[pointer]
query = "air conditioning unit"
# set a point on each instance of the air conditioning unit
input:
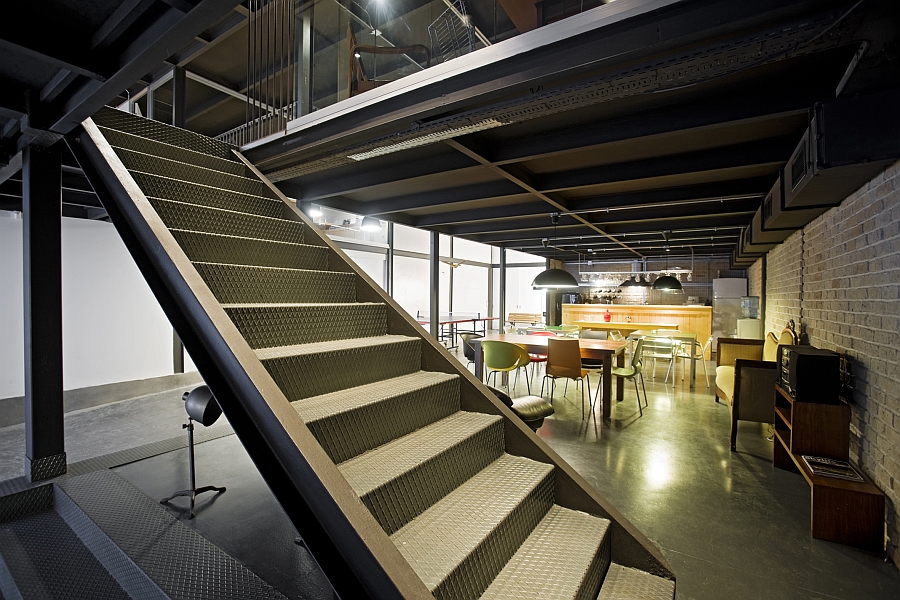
(776, 215)
(848, 142)
(739, 261)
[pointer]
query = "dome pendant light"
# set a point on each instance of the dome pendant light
(667, 283)
(554, 278)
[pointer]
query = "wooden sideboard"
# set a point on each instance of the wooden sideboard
(692, 319)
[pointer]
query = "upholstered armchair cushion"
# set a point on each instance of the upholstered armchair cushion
(725, 382)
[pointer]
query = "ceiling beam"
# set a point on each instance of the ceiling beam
(774, 152)
(450, 196)
(173, 29)
(337, 184)
(753, 186)
(523, 181)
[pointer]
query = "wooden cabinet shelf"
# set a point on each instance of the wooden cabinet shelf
(845, 512)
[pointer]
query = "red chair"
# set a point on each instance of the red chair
(539, 358)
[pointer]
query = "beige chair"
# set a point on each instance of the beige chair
(683, 352)
(656, 348)
(564, 361)
(745, 376)
(635, 372)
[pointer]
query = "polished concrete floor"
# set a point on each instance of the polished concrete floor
(730, 525)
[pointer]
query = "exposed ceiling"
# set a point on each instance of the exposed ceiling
(633, 119)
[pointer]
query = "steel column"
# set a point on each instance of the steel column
(45, 454)
(389, 262)
(502, 289)
(434, 268)
(179, 96)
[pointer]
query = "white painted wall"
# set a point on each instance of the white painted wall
(113, 328)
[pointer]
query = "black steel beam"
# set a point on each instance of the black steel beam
(368, 174)
(172, 30)
(663, 213)
(45, 454)
(449, 196)
(179, 96)
(752, 186)
(509, 211)
(738, 220)
(724, 112)
(774, 152)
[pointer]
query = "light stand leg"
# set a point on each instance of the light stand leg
(194, 491)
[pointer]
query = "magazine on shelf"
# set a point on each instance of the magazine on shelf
(828, 467)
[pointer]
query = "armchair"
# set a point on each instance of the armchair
(745, 376)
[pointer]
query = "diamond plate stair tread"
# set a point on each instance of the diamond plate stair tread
(271, 325)
(179, 560)
(402, 478)
(202, 219)
(625, 583)
(351, 421)
(160, 132)
(129, 141)
(564, 557)
(236, 250)
(242, 284)
(460, 543)
(147, 163)
(306, 370)
(47, 560)
(156, 186)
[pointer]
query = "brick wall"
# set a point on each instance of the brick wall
(850, 283)
(755, 279)
(783, 282)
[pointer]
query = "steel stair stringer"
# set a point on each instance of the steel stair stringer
(353, 550)
(630, 547)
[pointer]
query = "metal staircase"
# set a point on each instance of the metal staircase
(405, 477)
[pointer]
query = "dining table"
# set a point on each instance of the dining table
(680, 336)
(604, 350)
(626, 328)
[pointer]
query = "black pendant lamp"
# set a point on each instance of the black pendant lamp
(554, 278)
(667, 283)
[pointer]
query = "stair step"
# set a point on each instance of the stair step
(352, 421)
(565, 557)
(460, 543)
(147, 163)
(190, 217)
(242, 284)
(625, 583)
(136, 143)
(306, 370)
(41, 557)
(160, 132)
(399, 480)
(156, 186)
(273, 325)
(235, 250)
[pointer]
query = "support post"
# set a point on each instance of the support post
(389, 263)
(434, 267)
(177, 353)
(45, 454)
(305, 62)
(179, 96)
(151, 103)
(502, 289)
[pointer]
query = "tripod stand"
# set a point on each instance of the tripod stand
(194, 491)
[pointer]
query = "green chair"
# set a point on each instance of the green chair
(505, 357)
(635, 371)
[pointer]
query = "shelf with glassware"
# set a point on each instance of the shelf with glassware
(842, 511)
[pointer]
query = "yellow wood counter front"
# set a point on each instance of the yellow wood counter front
(692, 319)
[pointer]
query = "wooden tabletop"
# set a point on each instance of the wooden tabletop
(596, 347)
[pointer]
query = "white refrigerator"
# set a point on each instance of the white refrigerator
(727, 295)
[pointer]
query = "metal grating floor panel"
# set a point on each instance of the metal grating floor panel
(147, 146)
(192, 217)
(402, 478)
(459, 544)
(353, 420)
(180, 561)
(240, 284)
(624, 583)
(160, 132)
(235, 250)
(156, 186)
(47, 560)
(273, 325)
(564, 558)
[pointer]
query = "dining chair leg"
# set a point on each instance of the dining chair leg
(527, 381)
(566, 388)
(637, 394)
(645, 390)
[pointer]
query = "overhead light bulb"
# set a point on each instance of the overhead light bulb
(315, 211)
(357, 54)
(370, 224)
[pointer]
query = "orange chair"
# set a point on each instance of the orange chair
(564, 360)
(539, 358)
